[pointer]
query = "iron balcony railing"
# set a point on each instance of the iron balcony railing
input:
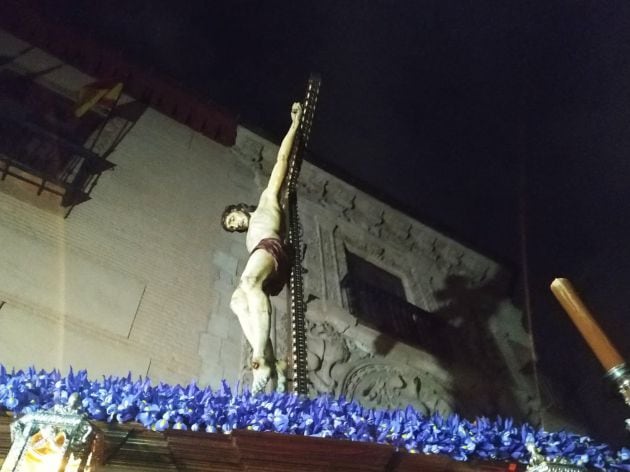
(42, 144)
(398, 318)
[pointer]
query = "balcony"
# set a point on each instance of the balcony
(42, 143)
(399, 319)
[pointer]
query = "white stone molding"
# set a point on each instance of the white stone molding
(343, 359)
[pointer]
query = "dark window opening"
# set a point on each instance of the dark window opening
(366, 272)
(377, 298)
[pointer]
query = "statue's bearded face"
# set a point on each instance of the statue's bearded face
(237, 221)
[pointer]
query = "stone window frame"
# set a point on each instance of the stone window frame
(343, 242)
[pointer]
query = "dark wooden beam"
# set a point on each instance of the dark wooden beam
(131, 447)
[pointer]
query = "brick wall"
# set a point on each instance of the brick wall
(135, 278)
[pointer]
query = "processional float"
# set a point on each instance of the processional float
(63, 440)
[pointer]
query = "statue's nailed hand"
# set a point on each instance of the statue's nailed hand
(296, 113)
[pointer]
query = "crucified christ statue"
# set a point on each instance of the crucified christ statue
(267, 268)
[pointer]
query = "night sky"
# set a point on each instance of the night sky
(449, 111)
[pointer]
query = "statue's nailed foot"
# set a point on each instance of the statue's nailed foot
(262, 374)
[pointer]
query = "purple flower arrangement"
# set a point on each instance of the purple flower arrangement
(195, 408)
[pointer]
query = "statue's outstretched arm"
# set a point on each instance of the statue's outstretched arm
(280, 168)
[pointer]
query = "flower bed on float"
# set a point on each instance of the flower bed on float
(194, 408)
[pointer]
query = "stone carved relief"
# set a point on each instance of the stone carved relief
(252, 165)
(312, 264)
(328, 352)
(397, 230)
(383, 385)
(312, 184)
(366, 215)
(446, 256)
(337, 197)
(330, 268)
(250, 150)
(357, 243)
(338, 366)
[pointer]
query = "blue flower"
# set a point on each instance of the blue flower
(160, 425)
(162, 406)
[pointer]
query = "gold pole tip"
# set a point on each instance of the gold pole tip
(558, 282)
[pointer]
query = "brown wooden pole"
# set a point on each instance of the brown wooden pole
(586, 324)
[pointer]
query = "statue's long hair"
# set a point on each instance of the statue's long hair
(243, 208)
